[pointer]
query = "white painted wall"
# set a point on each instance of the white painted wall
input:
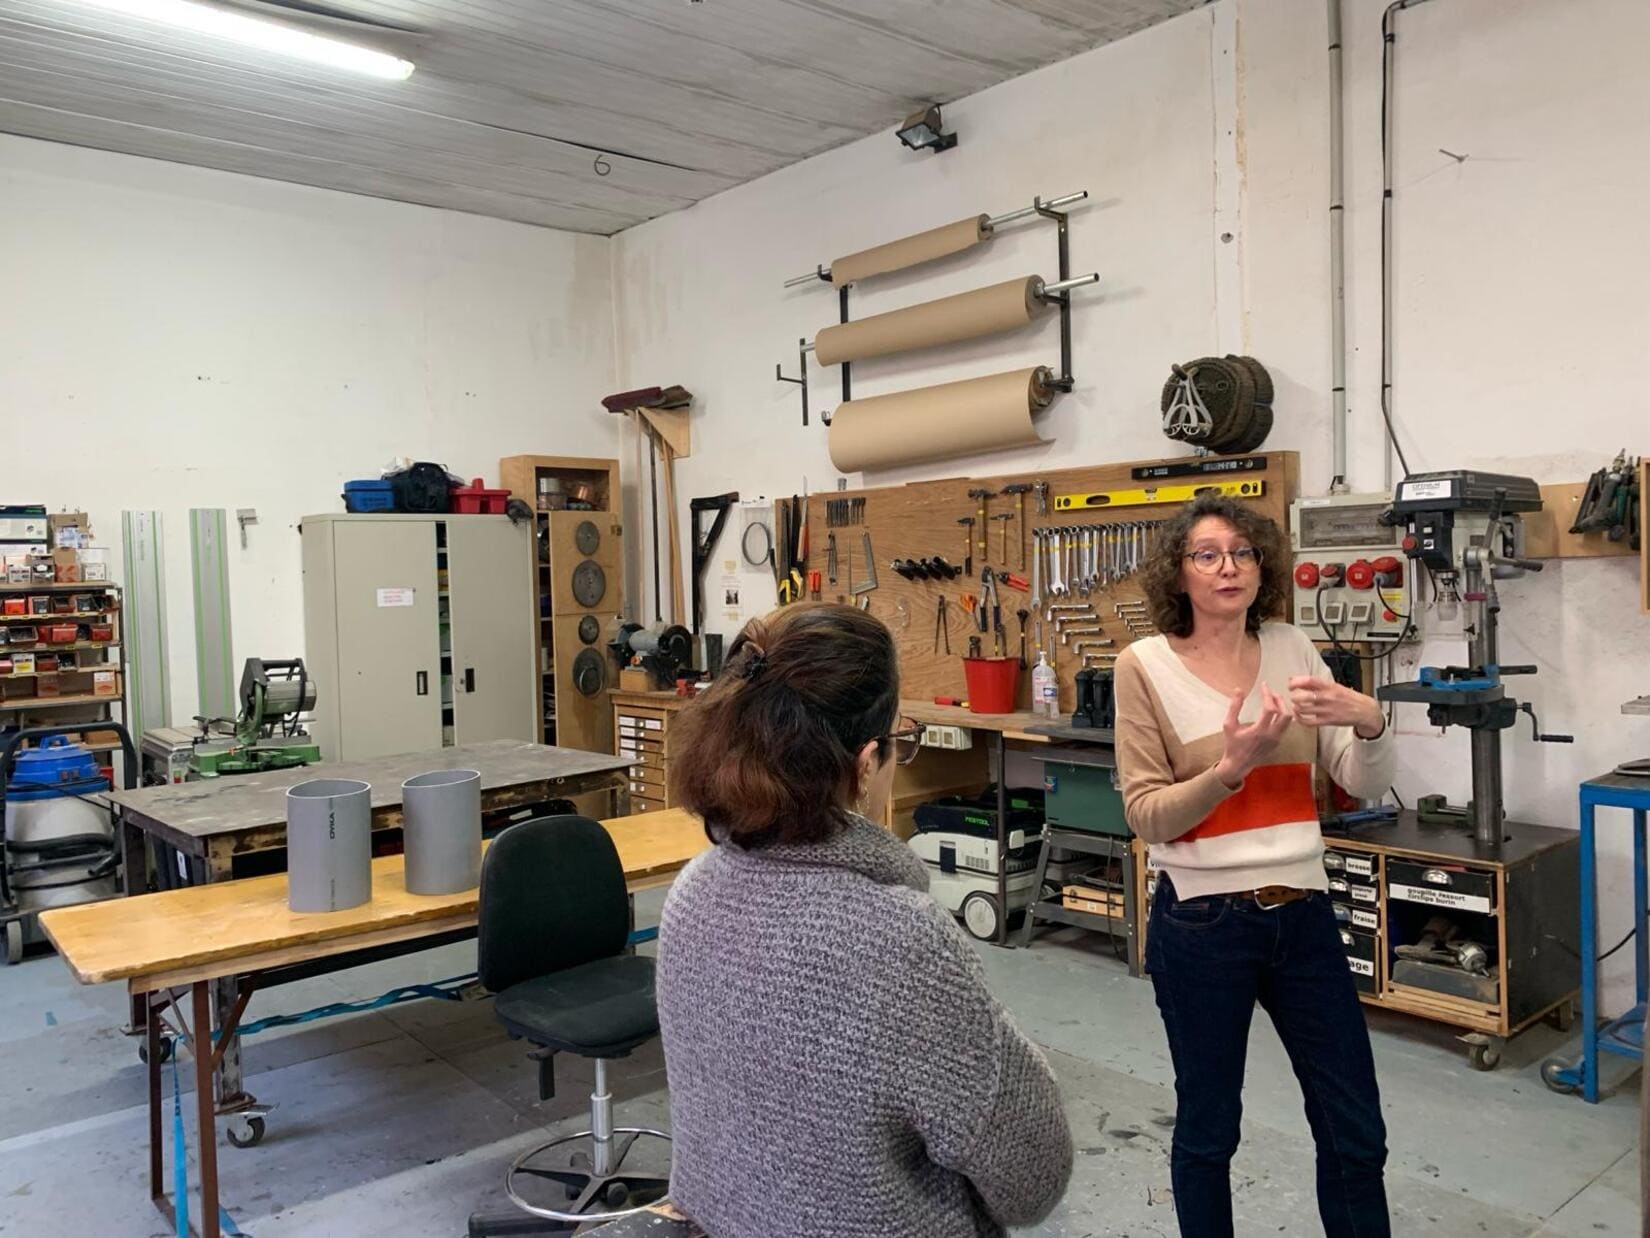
(173, 337)
(1519, 273)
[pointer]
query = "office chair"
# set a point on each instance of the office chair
(551, 946)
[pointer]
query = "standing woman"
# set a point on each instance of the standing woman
(837, 1067)
(1223, 722)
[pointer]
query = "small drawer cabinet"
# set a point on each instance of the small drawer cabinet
(641, 731)
(1489, 937)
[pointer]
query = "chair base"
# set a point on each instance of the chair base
(586, 1188)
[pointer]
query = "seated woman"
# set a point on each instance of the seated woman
(837, 1066)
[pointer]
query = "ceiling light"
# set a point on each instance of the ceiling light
(921, 131)
(270, 36)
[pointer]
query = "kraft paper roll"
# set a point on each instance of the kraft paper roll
(923, 247)
(966, 316)
(936, 423)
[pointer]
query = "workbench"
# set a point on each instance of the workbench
(173, 941)
(1622, 1035)
(218, 829)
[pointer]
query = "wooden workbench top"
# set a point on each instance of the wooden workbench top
(214, 806)
(206, 931)
(1011, 726)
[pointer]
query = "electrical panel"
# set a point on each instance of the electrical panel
(1351, 579)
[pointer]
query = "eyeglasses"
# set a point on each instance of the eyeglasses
(907, 741)
(1244, 559)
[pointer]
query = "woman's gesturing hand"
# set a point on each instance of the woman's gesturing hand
(1322, 702)
(1249, 744)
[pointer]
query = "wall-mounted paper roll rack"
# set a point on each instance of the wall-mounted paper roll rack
(967, 315)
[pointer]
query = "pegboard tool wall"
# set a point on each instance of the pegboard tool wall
(919, 521)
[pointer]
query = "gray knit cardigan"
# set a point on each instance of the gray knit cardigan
(837, 1068)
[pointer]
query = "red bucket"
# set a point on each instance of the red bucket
(993, 684)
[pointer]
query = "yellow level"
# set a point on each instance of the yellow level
(1247, 489)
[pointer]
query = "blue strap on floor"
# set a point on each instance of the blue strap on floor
(450, 990)
(226, 1224)
(180, 1157)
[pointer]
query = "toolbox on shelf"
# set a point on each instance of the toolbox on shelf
(370, 495)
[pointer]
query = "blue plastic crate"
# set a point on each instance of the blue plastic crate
(375, 495)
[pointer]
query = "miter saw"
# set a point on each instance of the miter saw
(1465, 528)
(267, 734)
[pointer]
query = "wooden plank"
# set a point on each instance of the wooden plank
(211, 930)
(1547, 535)
(919, 521)
(208, 808)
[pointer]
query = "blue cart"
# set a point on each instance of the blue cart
(1624, 1034)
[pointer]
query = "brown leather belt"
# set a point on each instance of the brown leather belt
(1269, 897)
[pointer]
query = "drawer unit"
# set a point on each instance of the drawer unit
(1354, 891)
(641, 734)
(1449, 887)
(1362, 950)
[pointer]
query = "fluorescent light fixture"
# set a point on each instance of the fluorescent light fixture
(269, 36)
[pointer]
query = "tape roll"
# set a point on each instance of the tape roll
(937, 423)
(966, 316)
(912, 250)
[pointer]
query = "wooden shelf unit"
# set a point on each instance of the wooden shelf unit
(569, 717)
(22, 706)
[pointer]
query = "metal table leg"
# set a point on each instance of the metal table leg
(1641, 908)
(1002, 839)
(1589, 952)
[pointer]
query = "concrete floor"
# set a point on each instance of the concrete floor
(402, 1121)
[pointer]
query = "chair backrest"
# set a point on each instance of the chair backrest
(552, 897)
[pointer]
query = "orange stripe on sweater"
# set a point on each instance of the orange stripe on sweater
(1271, 795)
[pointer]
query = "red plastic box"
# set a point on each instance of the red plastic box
(477, 500)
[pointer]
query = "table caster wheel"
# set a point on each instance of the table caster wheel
(979, 916)
(617, 1195)
(1554, 1074)
(14, 941)
(245, 1132)
(167, 1048)
(1484, 1057)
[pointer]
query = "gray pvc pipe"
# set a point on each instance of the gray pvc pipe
(441, 824)
(328, 844)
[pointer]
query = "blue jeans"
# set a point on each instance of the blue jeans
(1211, 960)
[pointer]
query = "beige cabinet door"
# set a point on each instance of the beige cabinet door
(492, 578)
(389, 658)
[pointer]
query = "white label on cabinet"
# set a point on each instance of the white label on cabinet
(1362, 865)
(1365, 919)
(1363, 967)
(397, 597)
(1441, 898)
(1365, 894)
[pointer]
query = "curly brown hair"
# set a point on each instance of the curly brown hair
(769, 753)
(1170, 609)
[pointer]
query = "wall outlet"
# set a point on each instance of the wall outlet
(947, 737)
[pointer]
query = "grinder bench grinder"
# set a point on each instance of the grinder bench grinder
(1466, 529)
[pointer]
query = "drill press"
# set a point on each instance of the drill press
(1466, 529)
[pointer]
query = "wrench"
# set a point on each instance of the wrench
(1057, 579)
(1036, 602)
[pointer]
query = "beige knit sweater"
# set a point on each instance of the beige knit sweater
(1209, 838)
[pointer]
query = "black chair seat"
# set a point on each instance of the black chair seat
(600, 1009)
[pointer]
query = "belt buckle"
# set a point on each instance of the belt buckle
(1265, 906)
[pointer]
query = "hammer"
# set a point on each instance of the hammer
(1018, 490)
(967, 523)
(982, 496)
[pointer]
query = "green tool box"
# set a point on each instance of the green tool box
(1082, 796)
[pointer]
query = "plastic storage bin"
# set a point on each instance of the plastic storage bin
(477, 500)
(375, 495)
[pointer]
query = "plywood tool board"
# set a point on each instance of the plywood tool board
(920, 521)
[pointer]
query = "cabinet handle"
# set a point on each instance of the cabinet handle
(469, 679)
(423, 681)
